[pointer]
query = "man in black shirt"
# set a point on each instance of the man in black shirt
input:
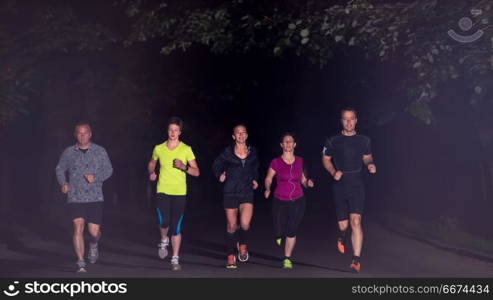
(343, 157)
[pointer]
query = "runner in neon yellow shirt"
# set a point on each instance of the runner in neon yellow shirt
(172, 181)
(176, 159)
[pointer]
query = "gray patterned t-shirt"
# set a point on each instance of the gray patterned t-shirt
(77, 163)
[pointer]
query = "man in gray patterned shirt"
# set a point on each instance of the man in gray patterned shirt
(87, 165)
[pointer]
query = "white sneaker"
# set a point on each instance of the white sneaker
(175, 264)
(163, 249)
(81, 266)
(93, 253)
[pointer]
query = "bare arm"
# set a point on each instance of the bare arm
(326, 161)
(151, 169)
(305, 181)
(193, 168)
(268, 181)
(151, 166)
(330, 168)
(368, 161)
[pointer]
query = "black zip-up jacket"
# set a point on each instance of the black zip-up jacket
(239, 173)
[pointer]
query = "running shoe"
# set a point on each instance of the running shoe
(231, 264)
(340, 246)
(279, 241)
(243, 253)
(287, 264)
(175, 264)
(162, 250)
(81, 266)
(355, 266)
(93, 253)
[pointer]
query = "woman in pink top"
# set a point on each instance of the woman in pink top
(288, 205)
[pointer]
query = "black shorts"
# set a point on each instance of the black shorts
(234, 201)
(170, 210)
(287, 216)
(91, 212)
(349, 196)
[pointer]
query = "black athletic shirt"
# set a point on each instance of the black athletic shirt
(346, 151)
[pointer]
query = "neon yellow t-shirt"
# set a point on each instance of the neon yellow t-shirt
(172, 181)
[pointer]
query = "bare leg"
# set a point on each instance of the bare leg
(231, 219)
(357, 234)
(176, 243)
(94, 230)
(288, 248)
(78, 237)
(343, 225)
(246, 213)
(164, 232)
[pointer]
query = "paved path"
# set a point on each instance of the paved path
(129, 250)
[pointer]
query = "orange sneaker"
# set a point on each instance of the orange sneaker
(340, 246)
(231, 262)
(243, 253)
(355, 266)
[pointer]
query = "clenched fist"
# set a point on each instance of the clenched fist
(153, 176)
(254, 184)
(337, 175)
(222, 178)
(310, 183)
(179, 164)
(65, 188)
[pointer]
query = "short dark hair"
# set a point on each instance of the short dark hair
(238, 125)
(349, 109)
(176, 121)
(287, 133)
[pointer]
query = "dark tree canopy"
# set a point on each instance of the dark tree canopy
(413, 33)
(53, 28)
(409, 33)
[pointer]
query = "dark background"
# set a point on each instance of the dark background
(127, 94)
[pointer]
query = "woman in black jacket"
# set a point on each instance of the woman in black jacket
(237, 168)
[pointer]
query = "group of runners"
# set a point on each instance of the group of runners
(84, 167)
